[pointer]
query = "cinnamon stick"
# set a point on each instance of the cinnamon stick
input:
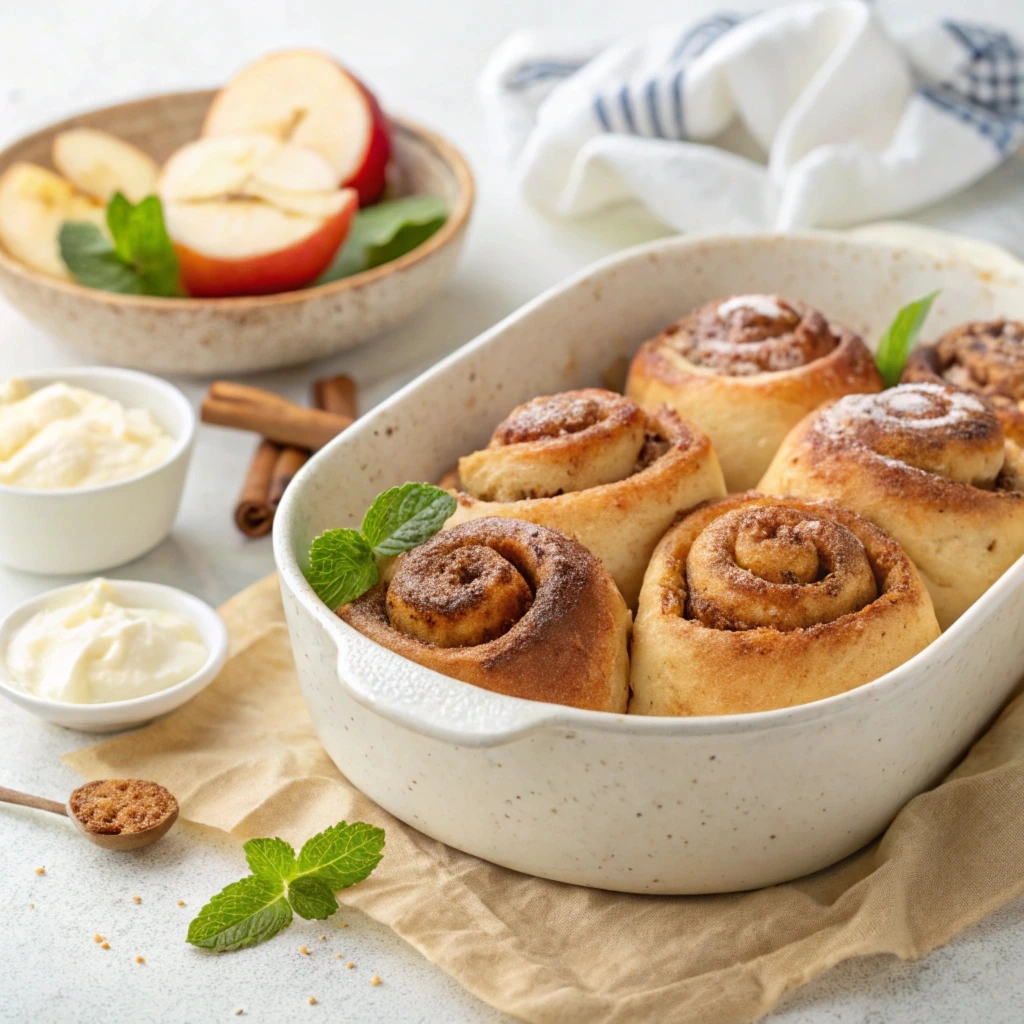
(289, 462)
(273, 465)
(337, 395)
(245, 407)
(253, 514)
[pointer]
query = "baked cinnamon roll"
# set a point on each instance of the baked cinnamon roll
(755, 603)
(745, 370)
(984, 356)
(929, 464)
(595, 466)
(508, 606)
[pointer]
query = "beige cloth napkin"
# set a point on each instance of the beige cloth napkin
(243, 757)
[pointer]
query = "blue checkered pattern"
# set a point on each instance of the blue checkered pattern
(987, 90)
(654, 108)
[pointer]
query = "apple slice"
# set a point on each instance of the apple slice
(306, 98)
(100, 164)
(34, 202)
(251, 216)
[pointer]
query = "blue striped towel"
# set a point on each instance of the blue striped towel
(810, 115)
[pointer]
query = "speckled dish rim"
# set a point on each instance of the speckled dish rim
(500, 719)
(206, 620)
(458, 215)
(182, 442)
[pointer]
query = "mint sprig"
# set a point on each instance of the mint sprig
(343, 563)
(259, 906)
(138, 259)
(899, 338)
(385, 231)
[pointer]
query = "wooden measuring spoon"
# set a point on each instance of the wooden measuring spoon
(108, 840)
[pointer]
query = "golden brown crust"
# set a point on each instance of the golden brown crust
(652, 466)
(758, 602)
(563, 641)
(929, 464)
(986, 357)
(747, 378)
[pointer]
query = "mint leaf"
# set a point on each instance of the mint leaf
(139, 261)
(341, 567)
(92, 260)
(270, 858)
(385, 231)
(899, 339)
(312, 898)
(405, 516)
(241, 914)
(342, 854)
(151, 249)
(119, 213)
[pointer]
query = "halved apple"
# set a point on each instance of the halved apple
(251, 216)
(306, 98)
(34, 202)
(100, 164)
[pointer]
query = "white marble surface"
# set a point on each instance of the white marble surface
(59, 57)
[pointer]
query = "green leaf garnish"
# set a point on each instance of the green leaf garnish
(343, 854)
(341, 567)
(312, 898)
(261, 904)
(270, 858)
(343, 563)
(405, 516)
(898, 340)
(139, 258)
(385, 231)
(242, 914)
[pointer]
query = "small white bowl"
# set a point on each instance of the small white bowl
(90, 529)
(120, 714)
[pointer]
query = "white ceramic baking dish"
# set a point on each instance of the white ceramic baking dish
(638, 804)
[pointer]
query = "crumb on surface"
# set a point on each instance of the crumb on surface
(343, 925)
(31, 906)
(312, 1000)
(40, 871)
(337, 956)
(104, 945)
(239, 1012)
(140, 959)
(350, 965)
(136, 899)
(375, 980)
(97, 937)
(303, 950)
(181, 903)
(322, 938)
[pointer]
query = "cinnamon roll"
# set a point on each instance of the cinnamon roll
(508, 606)
(595, 466)
(983, 356)
(929, 464)
(745, 370)
(755, 603)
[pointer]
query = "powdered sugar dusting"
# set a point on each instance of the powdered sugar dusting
(907, 407)
(762, 305)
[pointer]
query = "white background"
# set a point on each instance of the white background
(423, 59)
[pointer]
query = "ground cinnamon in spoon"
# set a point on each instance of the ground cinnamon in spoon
(116, 807)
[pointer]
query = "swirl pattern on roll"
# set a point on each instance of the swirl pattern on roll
(756, 603)
(930, 464)
(595, 466)
(986, 357)
(745, 369)
(509, 606)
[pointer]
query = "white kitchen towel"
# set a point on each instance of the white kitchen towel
(810, 115)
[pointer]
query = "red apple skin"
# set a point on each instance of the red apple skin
(212, 277)
(369, 178)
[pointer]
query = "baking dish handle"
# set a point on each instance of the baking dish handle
(431, 704)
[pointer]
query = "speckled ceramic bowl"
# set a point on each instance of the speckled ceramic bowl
(660, 805)
(239, 335)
